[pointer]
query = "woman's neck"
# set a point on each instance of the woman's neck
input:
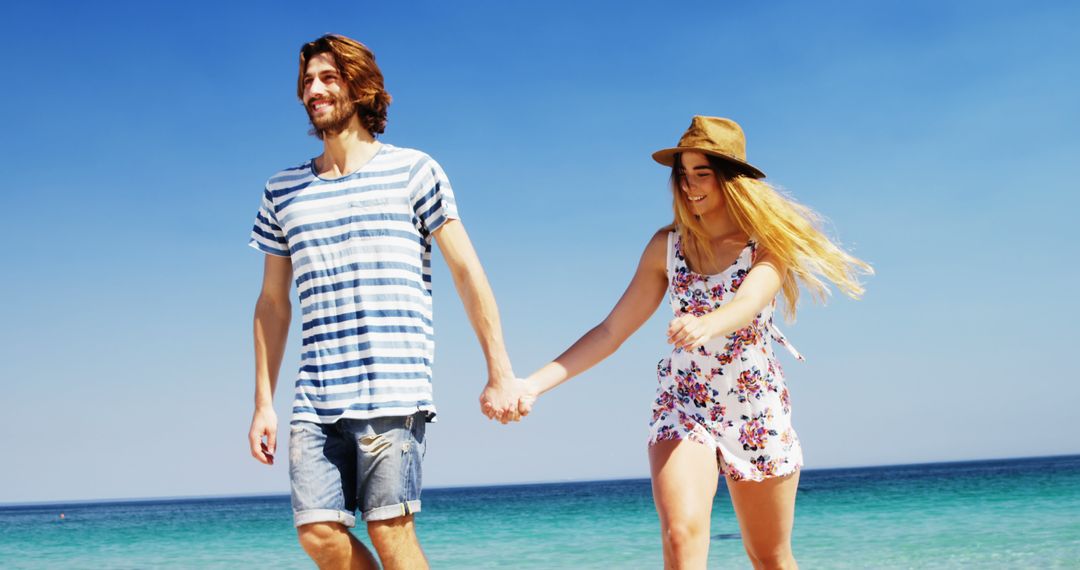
(719, 227)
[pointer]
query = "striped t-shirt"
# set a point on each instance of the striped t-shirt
(361, 255)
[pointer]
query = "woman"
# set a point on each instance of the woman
(721, 403)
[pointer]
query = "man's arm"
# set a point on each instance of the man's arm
(272, 314)
(499, 400)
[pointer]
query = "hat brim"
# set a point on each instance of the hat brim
(667, 158)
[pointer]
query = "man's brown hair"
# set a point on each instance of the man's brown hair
(356, 64)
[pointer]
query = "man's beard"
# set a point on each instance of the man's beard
(338, 119)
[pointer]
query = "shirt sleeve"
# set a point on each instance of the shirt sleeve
(267, 235)
(432, 197)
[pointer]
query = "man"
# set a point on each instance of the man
(354, 226)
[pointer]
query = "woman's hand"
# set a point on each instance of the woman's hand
(528, 399)
(757, 291)
(689, 332)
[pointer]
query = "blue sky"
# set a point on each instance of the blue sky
(938, 139)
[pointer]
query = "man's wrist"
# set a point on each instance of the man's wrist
(499, 380)
(500, 372)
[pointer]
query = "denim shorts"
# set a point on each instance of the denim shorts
(373, 465)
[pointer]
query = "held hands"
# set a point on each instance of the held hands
(263, 423)
(507, 401)
(689, 332)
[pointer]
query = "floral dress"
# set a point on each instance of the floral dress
(728, 394)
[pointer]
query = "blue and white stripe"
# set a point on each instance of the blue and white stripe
(360, 247)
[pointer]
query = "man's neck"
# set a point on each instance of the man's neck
(346, 151)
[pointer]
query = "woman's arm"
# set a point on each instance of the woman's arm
(637, 304)
(758, 289)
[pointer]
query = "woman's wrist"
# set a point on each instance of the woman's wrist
(532, 384)
(714, 323)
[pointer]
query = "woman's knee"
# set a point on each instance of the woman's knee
(684, 535)
(771, 556)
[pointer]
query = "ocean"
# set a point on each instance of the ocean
(1016, 513)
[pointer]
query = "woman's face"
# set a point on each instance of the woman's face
(699, 183)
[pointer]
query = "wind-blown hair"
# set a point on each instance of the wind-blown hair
(356, 64)
(788, 230)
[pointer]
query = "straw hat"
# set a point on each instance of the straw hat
(716, 136)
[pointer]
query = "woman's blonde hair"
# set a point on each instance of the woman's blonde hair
(788, 230)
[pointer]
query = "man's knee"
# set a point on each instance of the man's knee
(395, 541)
(392, 532)
(324, 537)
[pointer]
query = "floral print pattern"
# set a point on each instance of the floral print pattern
(730, 393)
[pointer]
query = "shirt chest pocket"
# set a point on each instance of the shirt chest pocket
(372, 218)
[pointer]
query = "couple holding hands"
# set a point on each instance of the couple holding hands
(353, 229)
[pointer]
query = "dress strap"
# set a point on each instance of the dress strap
(672, 262)
(782, 340)
(670, 255)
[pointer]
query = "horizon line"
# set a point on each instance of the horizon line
(77, 502)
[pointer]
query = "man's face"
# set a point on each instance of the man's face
(326, 96)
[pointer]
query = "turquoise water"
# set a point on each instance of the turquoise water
(1022, 513)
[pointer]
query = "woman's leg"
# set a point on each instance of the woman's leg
(766, 512)
(684, 480)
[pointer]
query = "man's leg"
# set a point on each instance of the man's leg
(395, 541)
(390, 452)
(331, 545)
(322, 470)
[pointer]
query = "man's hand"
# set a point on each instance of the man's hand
(501, 400)
(263, 423)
